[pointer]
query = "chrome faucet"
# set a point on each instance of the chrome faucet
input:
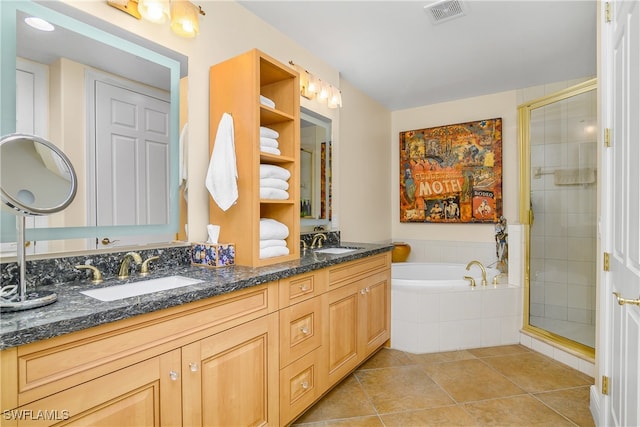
(484, 270)
(317, 240)
(124, 266)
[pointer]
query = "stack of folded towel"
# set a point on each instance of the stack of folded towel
(269, 141)
(274, 182)
(266, 101)
(272, 238)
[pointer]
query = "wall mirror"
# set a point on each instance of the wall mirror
(315, 171)
(110, 100)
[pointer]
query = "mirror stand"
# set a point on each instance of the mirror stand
(16, 298)
(49, 186)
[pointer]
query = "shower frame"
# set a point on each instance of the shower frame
(527, 214)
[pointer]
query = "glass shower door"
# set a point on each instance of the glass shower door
(559, 202)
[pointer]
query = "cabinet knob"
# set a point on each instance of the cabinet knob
(305, 384)
(363, 291)
(174, 375)
(304, 287)
(304, 330)
(193, 366)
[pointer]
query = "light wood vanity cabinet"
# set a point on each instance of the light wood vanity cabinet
(235, 88)
(359, 319)
(259, 356)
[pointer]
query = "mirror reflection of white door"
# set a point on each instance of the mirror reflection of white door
(131, 160)
(31, 118)
(621, 216)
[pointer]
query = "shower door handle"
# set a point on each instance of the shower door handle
(623, 301)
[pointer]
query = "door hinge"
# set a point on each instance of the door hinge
(605, 261)
(607, 137)
(605, 384)
(607, 12)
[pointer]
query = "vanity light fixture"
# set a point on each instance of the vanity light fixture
(156, 11)
(183, 14)
(312, 87)
(184, 18)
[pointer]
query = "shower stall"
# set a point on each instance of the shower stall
(558, 159)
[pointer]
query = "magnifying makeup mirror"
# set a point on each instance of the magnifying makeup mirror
(36, 178)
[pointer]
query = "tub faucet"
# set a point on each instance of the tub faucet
(484, 270)
(124, 266)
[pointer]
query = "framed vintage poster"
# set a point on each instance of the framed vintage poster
(452, 173)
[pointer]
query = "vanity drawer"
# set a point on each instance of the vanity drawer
(301, 383)
(48, 366)
(347, 272)
(301, 329)
(302, 287)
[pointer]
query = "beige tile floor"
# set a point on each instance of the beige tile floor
(496, 386)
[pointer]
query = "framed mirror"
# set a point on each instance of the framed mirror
(315, 171)
(63, 86)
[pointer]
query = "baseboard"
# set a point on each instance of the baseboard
(595, 404)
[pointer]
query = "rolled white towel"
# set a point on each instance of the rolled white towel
(268, 142)
(266, 101)
(273, 251)
(272, 242)
(272, 229)
(268, 132)
(273, 193)
(273, 171)
(270, 150)
(280, 184)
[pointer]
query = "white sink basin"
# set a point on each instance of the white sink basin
(335, 251)
(133, 289)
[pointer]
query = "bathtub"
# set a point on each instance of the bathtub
(433, 308)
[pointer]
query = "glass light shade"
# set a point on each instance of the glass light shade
(314, 84)
(335, 98)
(156, 11)
(324, 91)
(184, 18)
(39, 23)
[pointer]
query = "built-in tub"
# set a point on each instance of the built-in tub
(433, 308)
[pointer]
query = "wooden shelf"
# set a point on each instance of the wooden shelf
(236, 90)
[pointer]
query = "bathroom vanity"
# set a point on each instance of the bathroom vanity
(247, 346)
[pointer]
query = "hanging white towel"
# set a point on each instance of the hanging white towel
(222, 176)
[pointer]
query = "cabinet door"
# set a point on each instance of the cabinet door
(145, 394)
(376, 317)
(343, 332)
(231, 378)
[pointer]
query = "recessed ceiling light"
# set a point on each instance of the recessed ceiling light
(39, 24)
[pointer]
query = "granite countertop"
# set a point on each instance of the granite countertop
(74, 311)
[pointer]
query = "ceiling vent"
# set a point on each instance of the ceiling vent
(445, 10)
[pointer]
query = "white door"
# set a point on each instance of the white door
(620, 324)
(132, 160)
